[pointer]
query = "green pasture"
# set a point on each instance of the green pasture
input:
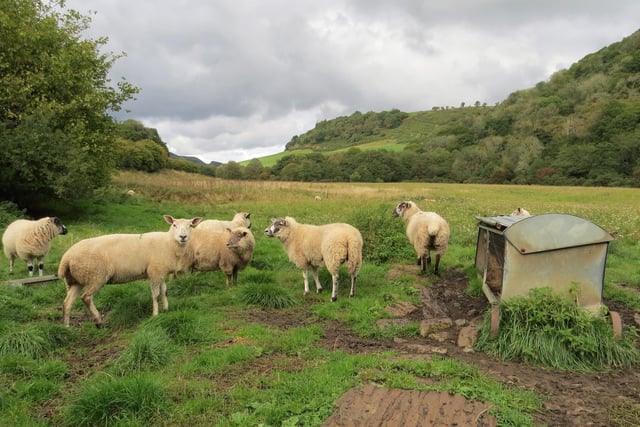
(382, 144)
(214, 359)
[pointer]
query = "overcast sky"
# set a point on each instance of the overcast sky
(234, 80)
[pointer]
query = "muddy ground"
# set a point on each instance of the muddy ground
(570, 398)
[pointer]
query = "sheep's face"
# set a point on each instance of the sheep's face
(181, 228)
(399, 210)
(236, 237)
(276, 227)
(59, 225)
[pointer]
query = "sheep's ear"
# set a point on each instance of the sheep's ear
(168, 218)
(227, 229)
(248, 215)
(195, 221)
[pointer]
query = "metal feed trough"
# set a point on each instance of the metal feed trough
(563, 252)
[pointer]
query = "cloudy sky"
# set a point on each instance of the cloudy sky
(234, 80)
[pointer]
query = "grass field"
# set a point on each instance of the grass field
(205, 362)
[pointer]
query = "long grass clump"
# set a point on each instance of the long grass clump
(150, 348)
(110, 401)
(547, 329)
(267, 296)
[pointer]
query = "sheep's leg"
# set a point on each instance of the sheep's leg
(305, 276)
(228, 276)
(335, 282)
(87, 299)
(316, 279)
(30, 266)
(40, 266)
(11, 261)
(423, 263)
(354, 278)
(163, 292)
(155, 293)
(235, 275)
(72, 295)
(437, 264)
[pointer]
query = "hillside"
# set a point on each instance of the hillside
(581, 127)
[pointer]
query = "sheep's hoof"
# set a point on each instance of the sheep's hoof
(334, 299)
(99, 325)
(319, 290)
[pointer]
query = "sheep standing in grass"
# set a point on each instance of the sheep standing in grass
(426, 231)
(121, 258)
(229, 251)
(314, 246)
(520, 212)
(31, 240)
(240, 219)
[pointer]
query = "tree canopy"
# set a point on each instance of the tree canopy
(55, 103)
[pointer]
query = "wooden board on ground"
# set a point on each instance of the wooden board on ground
(373, 406)
(33, 280)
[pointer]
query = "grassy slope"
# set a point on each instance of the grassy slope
(416, 128)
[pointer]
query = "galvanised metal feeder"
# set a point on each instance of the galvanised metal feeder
(563, 252)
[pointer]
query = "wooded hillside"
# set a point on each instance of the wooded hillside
(581, 127)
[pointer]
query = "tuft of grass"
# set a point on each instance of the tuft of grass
(184, 327)
(13, 308)
(109, 401)
(549, 330)
(218, 360)
(151, 348)
(267, 296)
(192, 284)
(26, 341)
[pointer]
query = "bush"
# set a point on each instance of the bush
(384, 236)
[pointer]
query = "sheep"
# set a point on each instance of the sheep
(229, 251)
(318, 198)
(131, 193)
(426, 231)
(121, 258)
(240, 219)
(31, 240)
(520, 212)
(314, 246)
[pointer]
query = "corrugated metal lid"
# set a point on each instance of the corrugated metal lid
(539, 233)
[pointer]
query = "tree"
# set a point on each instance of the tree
(55, 100)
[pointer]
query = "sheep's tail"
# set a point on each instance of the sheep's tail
(354, 255)
(63, 270)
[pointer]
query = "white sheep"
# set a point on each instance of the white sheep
(31, 240)
(121, 258)
(240, 219)
(520, 212)
(229, 251)
(426, 231)
(314, 246)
